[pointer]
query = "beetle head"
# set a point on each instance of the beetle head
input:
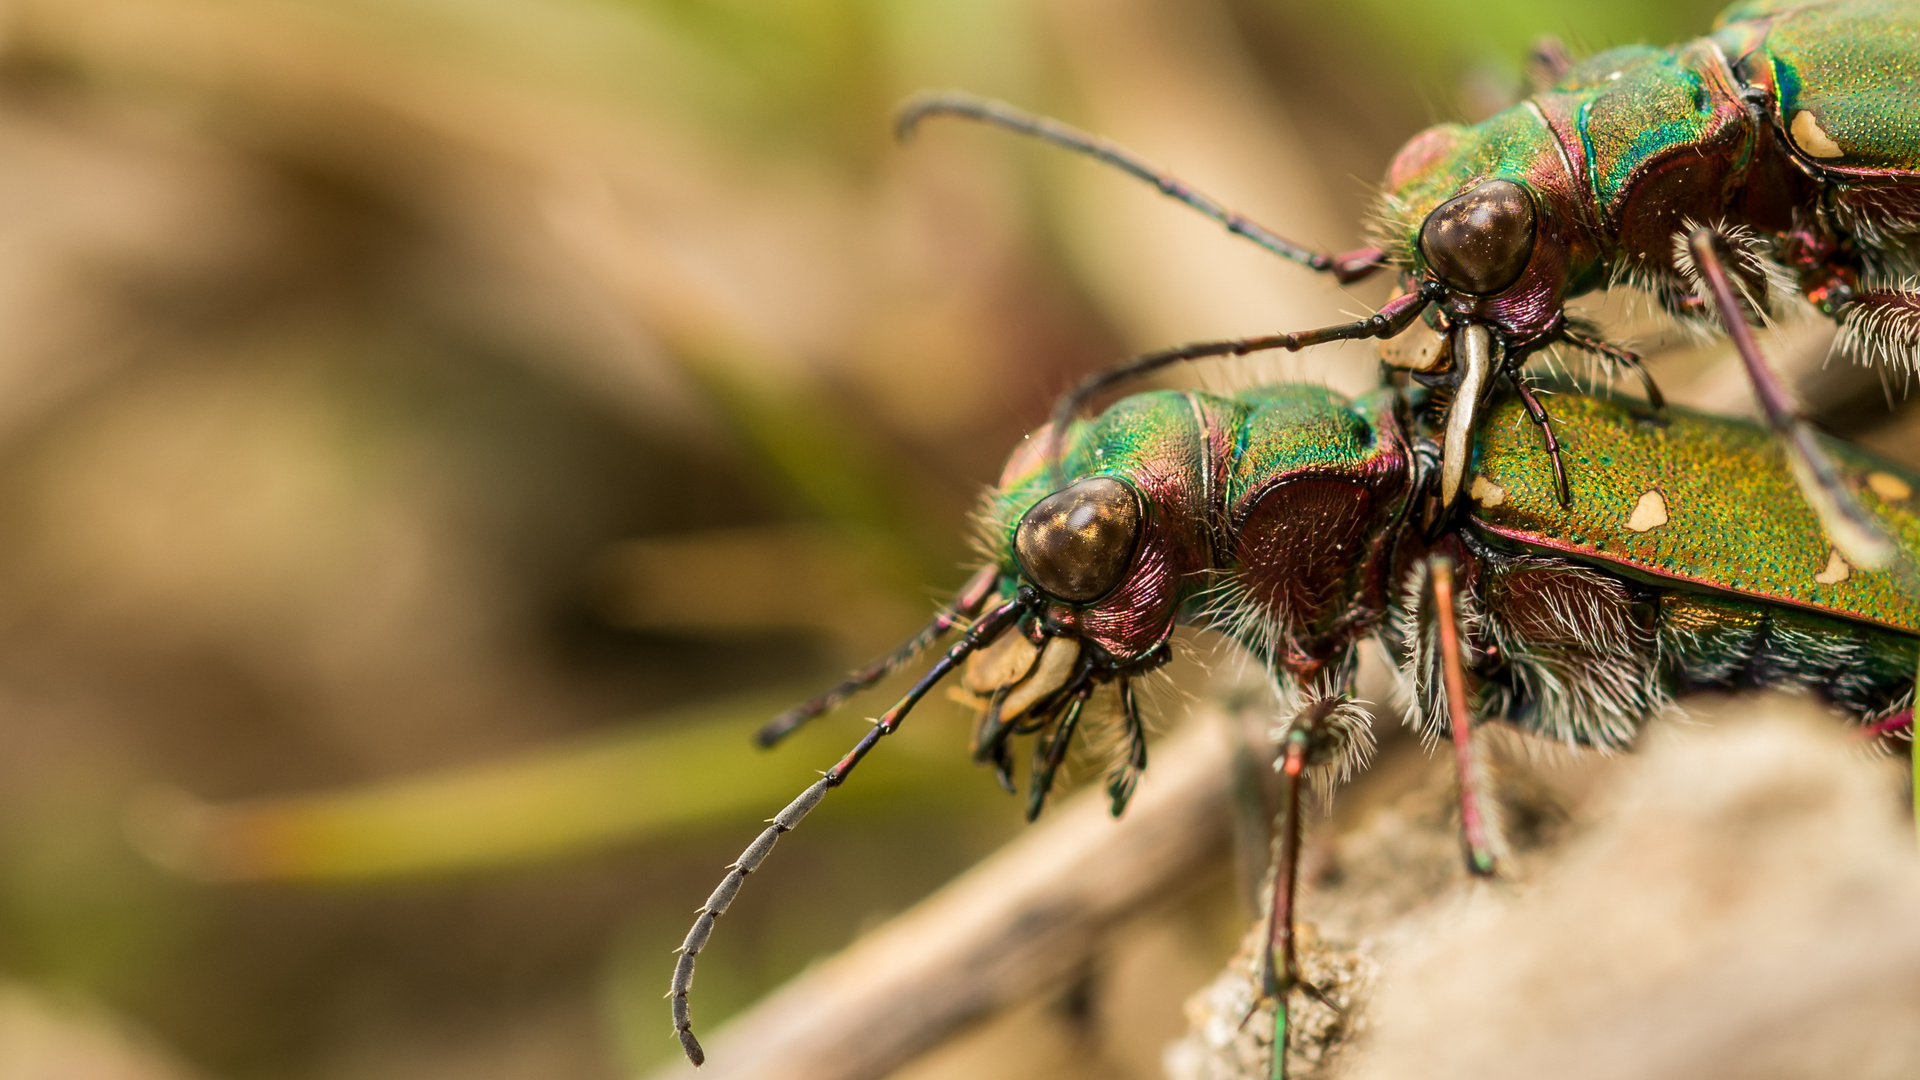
(1491, 213)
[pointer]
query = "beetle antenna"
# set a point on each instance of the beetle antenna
(972, 597)
(1392, 318)
(1348, 267)
(990, 626)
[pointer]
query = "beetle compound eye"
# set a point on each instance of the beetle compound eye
(1077, 543)
(1480, 241)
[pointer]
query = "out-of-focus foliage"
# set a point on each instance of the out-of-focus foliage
(413, 411)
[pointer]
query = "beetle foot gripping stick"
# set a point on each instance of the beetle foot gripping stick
(1789, 123)
(1324, 738)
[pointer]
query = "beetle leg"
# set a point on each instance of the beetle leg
(1856, 534)
(1126, 775)
(1348, 267)
(1537, 413)
(973, 596)
(1393, 317)
(990, 626)
(1049, 752)
(1476, 831)
(1899, 721)
(1279, 964)
(1626, 358)
(1319, 737)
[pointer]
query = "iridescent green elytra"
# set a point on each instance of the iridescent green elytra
(1688, 501)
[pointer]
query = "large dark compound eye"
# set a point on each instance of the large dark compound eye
(1077, 543)
(1479, 242)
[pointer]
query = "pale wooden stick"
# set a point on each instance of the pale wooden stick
(1024, 919)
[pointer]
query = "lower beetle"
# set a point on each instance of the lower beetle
(1289, 518)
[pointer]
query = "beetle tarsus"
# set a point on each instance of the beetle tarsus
(1626, 358)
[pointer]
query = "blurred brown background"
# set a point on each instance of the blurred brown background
(531, 396)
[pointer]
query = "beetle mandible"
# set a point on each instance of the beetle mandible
(1287, 517)
(1779, 154)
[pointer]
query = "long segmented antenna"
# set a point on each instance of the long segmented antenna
(1392, 318)
(973, 596)
(1853, 531)
(1348, 267)
(990, 626)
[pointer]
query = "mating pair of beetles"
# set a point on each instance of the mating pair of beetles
(1570, 572)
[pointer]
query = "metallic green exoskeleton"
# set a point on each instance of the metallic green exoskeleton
(1777, 157)
(1647, 554)
(1287, 517)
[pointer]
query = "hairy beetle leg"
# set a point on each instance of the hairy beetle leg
(1899, 721)
(1853, 531)
(1476, 831)
(1279, 963)
(1626, 358)
(1880, 325)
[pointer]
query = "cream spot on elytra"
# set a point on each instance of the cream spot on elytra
(1486, 492)
(1649, 513)
(1808, 136)
(1889, 486)
(1836, 572)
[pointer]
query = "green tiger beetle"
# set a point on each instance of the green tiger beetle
(1287, 517)
(1777, 156)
